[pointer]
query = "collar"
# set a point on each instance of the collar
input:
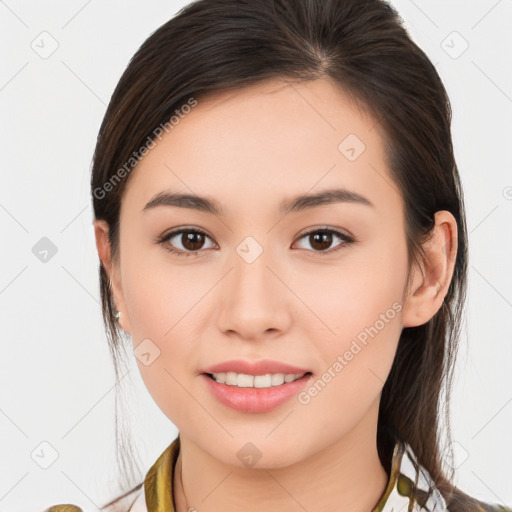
(409, 485)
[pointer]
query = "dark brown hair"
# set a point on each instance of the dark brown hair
(362, 47)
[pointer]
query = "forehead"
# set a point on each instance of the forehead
(274, 139)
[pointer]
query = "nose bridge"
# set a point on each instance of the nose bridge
(253, 300)
(251, 280)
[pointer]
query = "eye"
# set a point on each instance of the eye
(321, 239)
(191, 241)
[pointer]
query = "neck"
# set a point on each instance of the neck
(347, 475)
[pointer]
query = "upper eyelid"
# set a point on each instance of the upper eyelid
(324, 228)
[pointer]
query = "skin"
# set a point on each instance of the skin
(251, 149)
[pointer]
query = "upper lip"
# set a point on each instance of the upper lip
(255, 367)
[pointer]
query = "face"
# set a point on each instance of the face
(319, 286)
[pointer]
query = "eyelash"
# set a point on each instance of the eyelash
(347, 240)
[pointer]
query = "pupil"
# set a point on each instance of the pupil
(324, 240)
(192, 241)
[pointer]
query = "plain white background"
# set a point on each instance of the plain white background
(57, 381)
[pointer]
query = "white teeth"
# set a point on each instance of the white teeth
(243, 380)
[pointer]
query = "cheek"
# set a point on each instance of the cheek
(356, 364)
(160, 295)
(363, 290)
(361, 305)
(160, 304)
(162, 318)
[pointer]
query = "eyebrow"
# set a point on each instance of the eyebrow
(296, 204)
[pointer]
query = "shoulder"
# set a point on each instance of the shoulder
(123, 503)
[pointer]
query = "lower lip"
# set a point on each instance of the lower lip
(255, 399)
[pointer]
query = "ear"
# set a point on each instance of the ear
(431, 281)
(101, 233)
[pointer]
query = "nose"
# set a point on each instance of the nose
(254, 300)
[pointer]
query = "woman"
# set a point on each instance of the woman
(281, 229)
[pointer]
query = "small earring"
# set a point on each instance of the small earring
(117, 315)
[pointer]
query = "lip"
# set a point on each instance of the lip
(255, 400)
(254, 368)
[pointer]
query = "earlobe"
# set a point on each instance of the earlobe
(431, 282)
(101, 233)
